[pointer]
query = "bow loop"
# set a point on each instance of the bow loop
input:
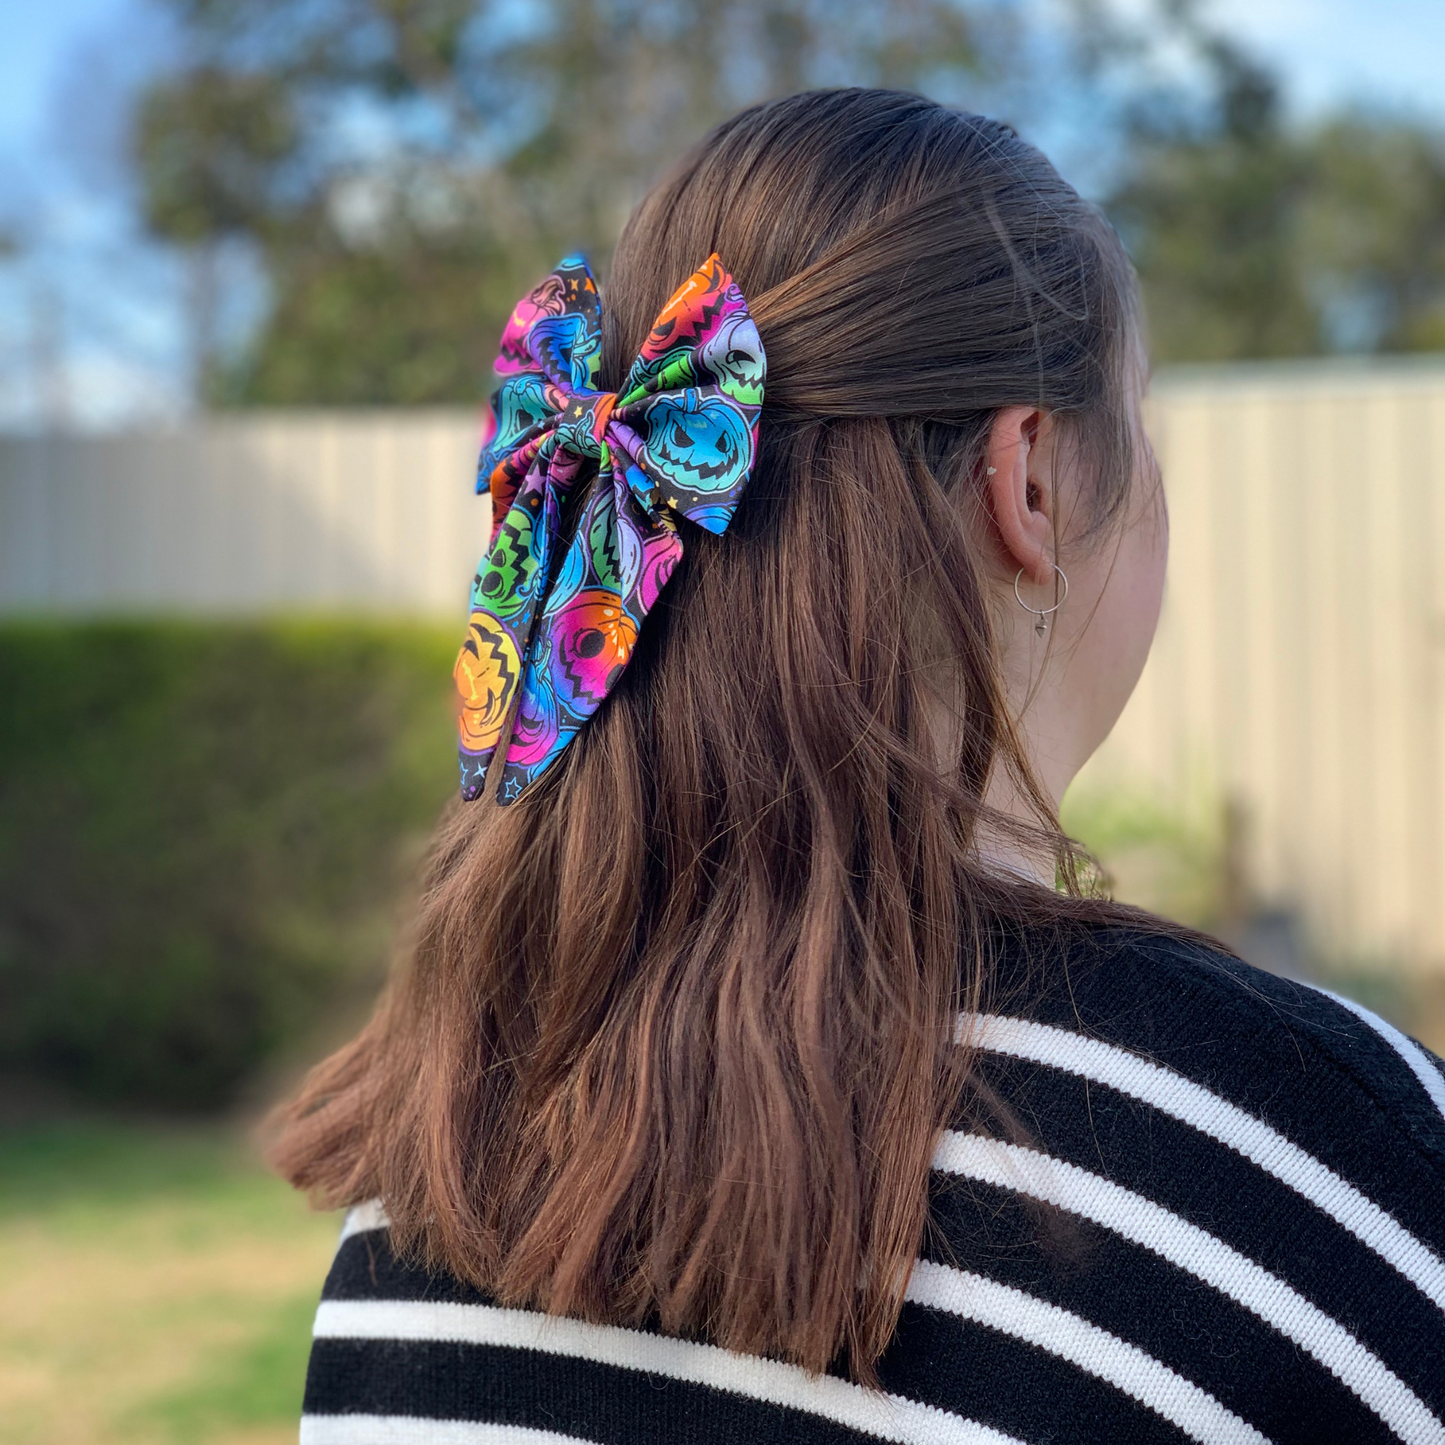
(557, 329)
(546, 643)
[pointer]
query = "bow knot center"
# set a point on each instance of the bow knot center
(583, 420)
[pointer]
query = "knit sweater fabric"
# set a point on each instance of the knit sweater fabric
(1211, 1208)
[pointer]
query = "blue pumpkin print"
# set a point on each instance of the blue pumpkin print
(701, 444)
(572, 344)
(519, 404)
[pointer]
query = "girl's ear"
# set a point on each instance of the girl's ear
(1019, 487)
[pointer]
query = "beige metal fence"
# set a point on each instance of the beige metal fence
(1300, 666)
(1300, 663)
(322, 511)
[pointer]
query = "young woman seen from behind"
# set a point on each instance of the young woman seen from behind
(762, 1070)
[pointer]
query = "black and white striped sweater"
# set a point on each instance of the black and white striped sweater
(1226, 1224)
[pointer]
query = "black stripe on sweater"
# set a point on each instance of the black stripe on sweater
(1280, 1051)
(1018, 1388)
(1194, 1176)
(980, 1373)
(366, 1268)
(502, 1385)
(966, 1368)
(1201, 1334)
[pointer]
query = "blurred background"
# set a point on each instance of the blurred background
(254, 257)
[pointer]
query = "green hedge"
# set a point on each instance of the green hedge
(204, 832)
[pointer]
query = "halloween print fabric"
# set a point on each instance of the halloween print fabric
(548, 637)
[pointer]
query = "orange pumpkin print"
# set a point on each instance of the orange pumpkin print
(486, 676)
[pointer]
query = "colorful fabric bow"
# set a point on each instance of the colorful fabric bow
(546, 644)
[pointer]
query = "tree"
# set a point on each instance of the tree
(1209, 204)
(404, 168)
(1256, 239)
(1375, 234)
(212, 148)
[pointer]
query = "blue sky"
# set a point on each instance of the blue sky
(1389, 53)
(64, 65)
(63, 61)
(37, 37)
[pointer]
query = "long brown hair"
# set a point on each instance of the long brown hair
(674, 1041)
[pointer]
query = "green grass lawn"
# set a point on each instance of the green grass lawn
(156, 1285)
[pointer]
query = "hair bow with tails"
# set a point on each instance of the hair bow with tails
(546, 643)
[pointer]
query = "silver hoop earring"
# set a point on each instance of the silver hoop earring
(1042, 613)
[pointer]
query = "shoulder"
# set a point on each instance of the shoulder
(1223, 1177)
(1176, 1015)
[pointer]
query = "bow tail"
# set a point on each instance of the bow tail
(491, 666)
(506, 480)
(617, 563)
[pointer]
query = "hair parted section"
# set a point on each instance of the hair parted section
(675, 1037)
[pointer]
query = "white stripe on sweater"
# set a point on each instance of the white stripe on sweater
(1429, 1076)
(1015, 1313)
(889, 1417)
(418, 1430)
(1196, 1106)
(362, 1219)
(1129, 1369)
(1185, 1245)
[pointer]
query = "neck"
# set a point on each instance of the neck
(1003, 850)
(1000, 850)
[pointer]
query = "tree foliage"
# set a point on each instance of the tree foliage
(406, 167)
(402, 169)
(1379, 234)
(210, 144)
(1255, 238)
